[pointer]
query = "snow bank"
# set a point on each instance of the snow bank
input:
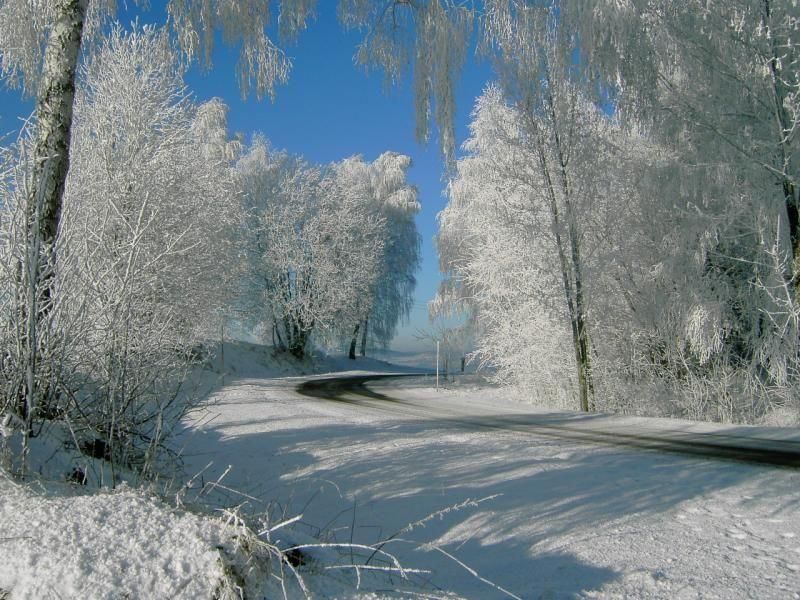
(120, 544)
(246, 360)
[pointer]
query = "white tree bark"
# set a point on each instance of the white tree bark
(51, 163)
(54, 113)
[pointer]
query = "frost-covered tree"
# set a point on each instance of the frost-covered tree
(719, 81)
(511, 236)
(314, 248)
(148, 238)
(354, 176)
(388, 197)
(399, 205)
(150, 157)
(534, 58)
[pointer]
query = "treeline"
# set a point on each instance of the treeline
(623, 226)
(331, 252)
(168, 228)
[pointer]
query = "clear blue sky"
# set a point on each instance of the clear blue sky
(329, 110)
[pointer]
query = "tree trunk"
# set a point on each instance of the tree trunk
(586, 383)
(50, 165)
(276, 336)
(584, 367)
(54, 122)
(580, 329)
(297, 346)
(54, 113)
(299, 334)
(352, 354)
(793, 215)
(785, 126)
(364, 337)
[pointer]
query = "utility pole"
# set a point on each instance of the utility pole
(437, 365)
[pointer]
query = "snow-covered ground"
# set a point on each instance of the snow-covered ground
(63, 540)
(468, 511)
(121, 544)
(539, 517)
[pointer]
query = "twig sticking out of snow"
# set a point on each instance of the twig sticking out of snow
(474, 573)
(250, 540)
(269, 530)
(469, 502)
(359, 568)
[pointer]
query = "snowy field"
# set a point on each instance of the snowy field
(465, 511)
(537, 517)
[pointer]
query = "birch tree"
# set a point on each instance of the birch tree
(512, 260)
(534, 60)
(314, 248)
(399, 205)
(720, 80)
(387, 197)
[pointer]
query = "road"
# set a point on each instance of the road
(546, 505)
(589, 429)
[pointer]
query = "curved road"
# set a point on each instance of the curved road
(354, 390)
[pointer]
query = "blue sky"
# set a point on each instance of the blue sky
(330, 109)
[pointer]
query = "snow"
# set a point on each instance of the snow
(537, 516)
(470, 512)
(120, 544)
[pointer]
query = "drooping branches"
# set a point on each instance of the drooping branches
(316, 246)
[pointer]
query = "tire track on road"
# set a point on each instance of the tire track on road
(354, 390)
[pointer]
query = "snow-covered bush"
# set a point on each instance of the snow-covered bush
(37, 330)
(146, 262)
(149, 226)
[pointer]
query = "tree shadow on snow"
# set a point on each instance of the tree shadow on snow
(369, 483)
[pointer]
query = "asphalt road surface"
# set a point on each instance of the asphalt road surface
(354, 390)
